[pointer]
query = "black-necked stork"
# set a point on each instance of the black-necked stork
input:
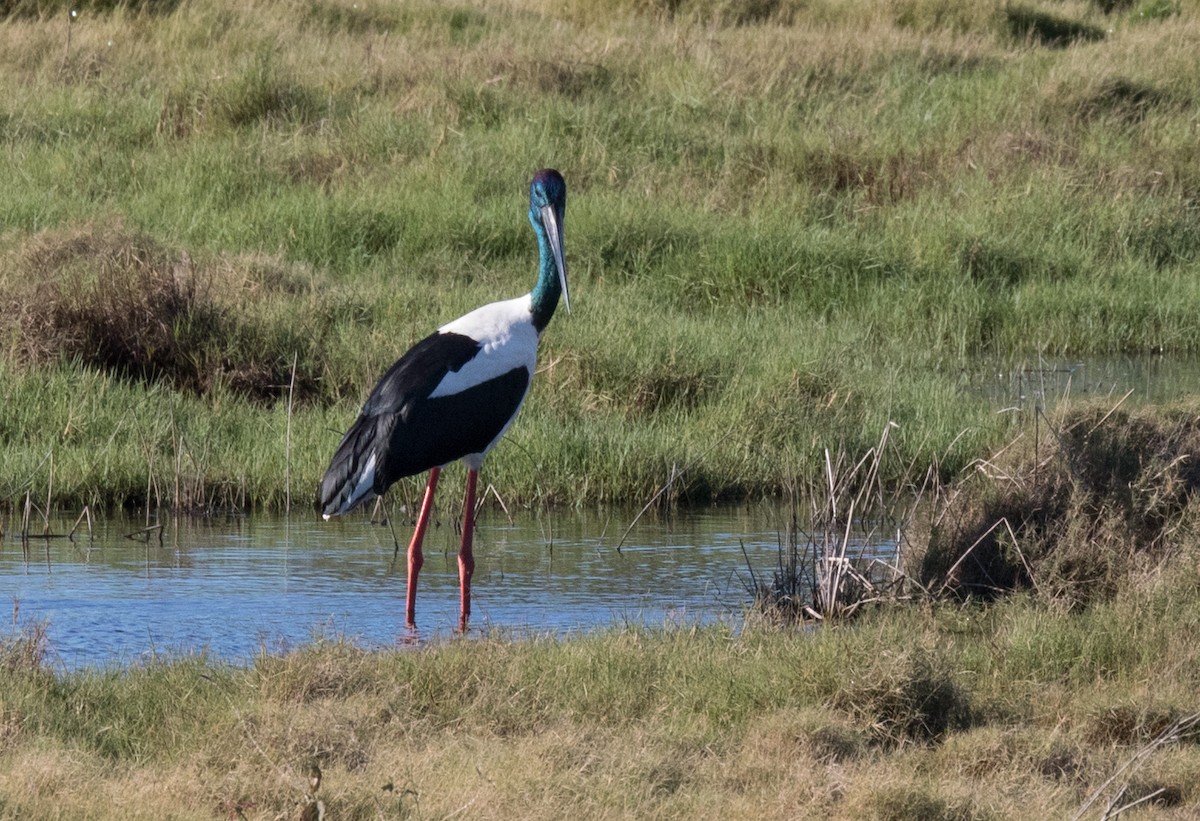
(453, 395)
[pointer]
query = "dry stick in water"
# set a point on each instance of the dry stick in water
(85, 513)
(287, 444)
(670, 483)
(25, 517)
(143, 535)
(642, 512)
(49, 494)
(387, 517)
(491, 489)
(175, 443)
(750, 567)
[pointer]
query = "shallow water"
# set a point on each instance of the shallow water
(231, 587)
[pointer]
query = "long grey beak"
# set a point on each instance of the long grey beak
(554, 232)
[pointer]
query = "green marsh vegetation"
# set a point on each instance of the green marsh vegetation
(790, 227)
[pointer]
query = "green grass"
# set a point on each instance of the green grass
(788, 225)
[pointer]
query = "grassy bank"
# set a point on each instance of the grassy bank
(1012, 711)
(788, 224)
(1042, 665)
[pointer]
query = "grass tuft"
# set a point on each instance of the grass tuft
(903, 803)
(322, 670)
(1070, 511)
(116, 300)
(906, 697)
(25, 651)
(1047, 29)
(1124, 99)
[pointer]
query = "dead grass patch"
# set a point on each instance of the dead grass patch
(116, 300)
(905, 697)
(1070, 510)
(1129, 724)
(792, 734)
(878, 177)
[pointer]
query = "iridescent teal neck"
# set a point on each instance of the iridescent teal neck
(548, 289)
(547, 208)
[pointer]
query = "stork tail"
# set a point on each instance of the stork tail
(350, 478)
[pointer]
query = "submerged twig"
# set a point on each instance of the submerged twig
(49, 495)
(85, 513)
(25, 516)
(749, 566)
(287, 441)
(145, 533)
(491, 489)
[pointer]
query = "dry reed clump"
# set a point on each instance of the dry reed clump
(118, 301)
(824, 575)
(24, 651)
(1072, 514)
(905, 697)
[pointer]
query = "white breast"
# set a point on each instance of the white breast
(508, 340)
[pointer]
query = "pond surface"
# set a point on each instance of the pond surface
(234, 586)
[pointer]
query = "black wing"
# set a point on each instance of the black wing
(405, 386)
(438, 431)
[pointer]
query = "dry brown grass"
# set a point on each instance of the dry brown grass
(818, 726)
(113, 299)
(26, 650)
(1071, 509)
(906, 697)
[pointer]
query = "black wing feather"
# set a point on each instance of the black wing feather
(405, 386)
(407, 431)
(422, 439)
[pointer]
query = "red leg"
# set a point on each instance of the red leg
(466, 555)
(415, 557)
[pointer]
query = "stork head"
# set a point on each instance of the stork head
(547, 209)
